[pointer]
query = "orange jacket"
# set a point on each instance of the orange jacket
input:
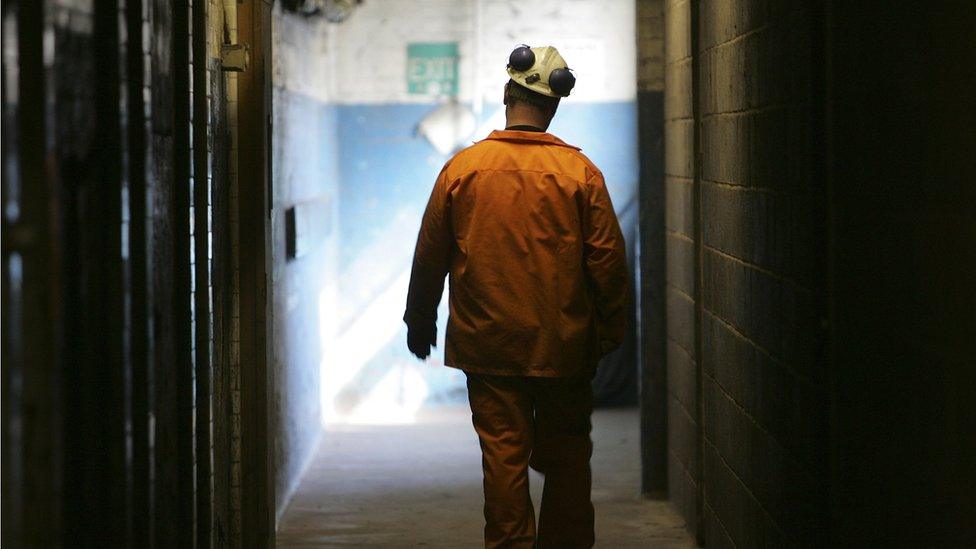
(524, 225)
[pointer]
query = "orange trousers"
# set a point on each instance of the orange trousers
(543, 423)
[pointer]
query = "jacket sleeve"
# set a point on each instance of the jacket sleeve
(431, 258)
(605, 263)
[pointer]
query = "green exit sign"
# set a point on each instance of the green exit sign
(432, 68)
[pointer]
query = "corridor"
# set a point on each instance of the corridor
(382, 486)
(210, 213)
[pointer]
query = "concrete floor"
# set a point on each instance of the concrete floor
(420, 485)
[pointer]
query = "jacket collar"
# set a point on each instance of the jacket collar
(516, 136)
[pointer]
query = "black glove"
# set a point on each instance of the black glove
(420, 338)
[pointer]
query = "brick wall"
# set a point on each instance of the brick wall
(819, 317)
(746, 378)
(765, 414)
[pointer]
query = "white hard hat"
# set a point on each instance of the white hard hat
(541, 70)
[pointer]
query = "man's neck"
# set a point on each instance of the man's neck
(524, 117)
(524, 128)
(525, 122)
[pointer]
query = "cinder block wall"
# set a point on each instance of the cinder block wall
(747, 403)
(819, 323)
(761, 372)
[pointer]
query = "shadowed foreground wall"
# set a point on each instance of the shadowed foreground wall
(817, 300)
(902, 262)
(117, 276)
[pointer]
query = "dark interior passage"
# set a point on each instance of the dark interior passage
(203, 231)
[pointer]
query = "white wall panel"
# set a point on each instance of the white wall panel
(595, 36)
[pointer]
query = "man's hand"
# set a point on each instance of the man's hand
(420, 338)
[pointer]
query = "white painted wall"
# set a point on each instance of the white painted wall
(596, 37)
(304, 55)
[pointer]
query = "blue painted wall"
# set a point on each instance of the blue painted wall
(386, 167)
(305, 171)
(386, 172)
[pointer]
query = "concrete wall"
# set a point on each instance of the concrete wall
(814, 379)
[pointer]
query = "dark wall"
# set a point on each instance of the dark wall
(680, 293)
(819, 237)
(651, 287)
(902, 242)
(762, 369)
(109, 328)
(746, 377)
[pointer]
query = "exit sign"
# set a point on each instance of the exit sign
(432, 68)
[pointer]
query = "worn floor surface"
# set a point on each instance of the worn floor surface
(420, 486)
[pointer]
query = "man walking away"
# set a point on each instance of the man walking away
(524, 225)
